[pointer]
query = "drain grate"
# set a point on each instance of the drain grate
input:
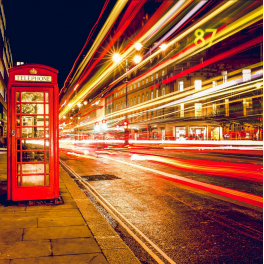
(100, 177)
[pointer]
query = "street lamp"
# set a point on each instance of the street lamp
(116, 58)
(163, 46)
(137, 59)
(138, 46)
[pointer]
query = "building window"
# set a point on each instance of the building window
(116, 107)
(135, 86)
(121, 105)
(127, 103)
(135, 100)
(151, 78)
(163, 72)
(147, 80)
(163, 91)
(246, 75)
(139, 99)
(224, 74)
(122, 91)
(198, 109)
(214, 112)
(151, 95)
(157, 75)
(198, 85)
(131, 102)
(180, 86)
(143, 98)
(227, 107)
(157, 93)
(147, 96)
(142, 82)
(247, 104)
(182, 110)
(214, 83)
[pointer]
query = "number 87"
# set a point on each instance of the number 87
(199, 33)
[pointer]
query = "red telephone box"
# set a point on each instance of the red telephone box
(33, 161)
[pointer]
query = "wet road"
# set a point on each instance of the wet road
(187, 222)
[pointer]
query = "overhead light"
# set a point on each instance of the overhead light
(138, 46)
(85, 102)
(163, 46)
(116, 57)
(137, 59)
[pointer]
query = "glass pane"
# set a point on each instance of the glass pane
(47, 132)
(47, 167)
(33, 132)
(47, 179)
(18, 156)
(46, 108)
(18, 168)
(18, 120)
(31, 168)
(47, 120)
(18, 96)
(32, 97)
(47, 144)
(18, 108)
(46, 97)
(33, 120)
(18, 181)
(32, 109)
(32, 156)
(18, 145)
(33, 180)
(32, 144)
(47, 155)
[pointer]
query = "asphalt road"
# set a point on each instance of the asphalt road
(190, 225)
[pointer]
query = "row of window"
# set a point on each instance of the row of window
(137, 100)
(138, 84)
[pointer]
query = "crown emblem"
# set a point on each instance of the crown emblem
(33, 71)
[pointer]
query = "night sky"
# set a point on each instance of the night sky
(52, 32)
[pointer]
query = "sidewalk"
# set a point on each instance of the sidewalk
(73, 232)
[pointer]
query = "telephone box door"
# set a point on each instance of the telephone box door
(32, 141)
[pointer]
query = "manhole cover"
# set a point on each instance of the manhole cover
(101, 177)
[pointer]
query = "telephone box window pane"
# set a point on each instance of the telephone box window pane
(47, 144)
(47, 167)
(18, 145)
(46, 108)
(32, 108)
(18, 181)
(18, 120)
(32, 144)
(46, 97)
(18, 108)
(47, 120)
(32, 97)
(32, 168)
(18, 156)
(33, 180)
(18, 168)
(47, 179)
(33, 132)
(47, 132)
(33, 120)
(18, 96)
(32, 156)
(47, 155)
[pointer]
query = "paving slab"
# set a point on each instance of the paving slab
(74, 246)
(61, 221)
(18, 223)
(96, 258)
(9, 235)
(56, 232)
(25, 249)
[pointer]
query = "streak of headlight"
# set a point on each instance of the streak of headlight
(195, 9)
(181, 36)
(162, 21)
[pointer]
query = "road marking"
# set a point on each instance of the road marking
(115, 214)
(251, 198)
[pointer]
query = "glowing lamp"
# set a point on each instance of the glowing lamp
(137, 59)
(163, 46)
(85, 102)
(138, 46)
(116, 58)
